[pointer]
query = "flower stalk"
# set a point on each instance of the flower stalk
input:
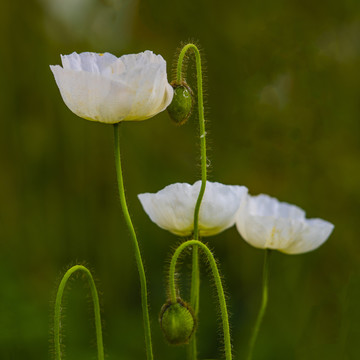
(195, 278)
(57, 315)
(218, 284)
(139, 262)
(196, 51)
(263, 305)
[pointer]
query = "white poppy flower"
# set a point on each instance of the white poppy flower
(102, 87)
(172, 208)
(267, 223)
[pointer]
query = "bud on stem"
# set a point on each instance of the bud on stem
(177, 322)
(183, 101)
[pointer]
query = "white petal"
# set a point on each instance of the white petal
(252, 230)
(172, 208)
(154, 93)
(105, 60)
(102, 87)
(264, 222)
(264, 205)
(87, 61)
(93, 97)
(219, 207)
(314, 234)
(71, 62)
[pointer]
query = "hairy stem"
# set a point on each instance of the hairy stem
(140, 266)
(218, 283)
(201, 124)
(194, 299)
(195, 283)
(263, 304)
(57, 316)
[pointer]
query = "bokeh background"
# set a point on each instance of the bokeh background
(283, 111)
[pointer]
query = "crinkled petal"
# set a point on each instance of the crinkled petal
(154, 94)
(87, 61)
(264, 205)
(266, 223)
(102, 87)
(93, 97)
(314, 233)
(172, 208)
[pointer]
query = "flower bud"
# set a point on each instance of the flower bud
(177, 322)
(182, 103)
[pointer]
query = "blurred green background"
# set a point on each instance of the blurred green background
(283, 111)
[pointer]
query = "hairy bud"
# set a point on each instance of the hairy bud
(177, 322)
(181, 106)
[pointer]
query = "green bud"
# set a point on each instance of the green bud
(182, 103)
(177, 322)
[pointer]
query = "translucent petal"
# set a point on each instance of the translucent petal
(93, 97)
(264, 222)
(172, 208)
(313, 235)
(102, 87)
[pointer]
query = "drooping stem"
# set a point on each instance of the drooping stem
(195, 282)
(263, 303)
(57, 316)
(218, 283)
(140, 266)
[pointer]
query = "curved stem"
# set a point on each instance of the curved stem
(219, 287)
(140, 266)
(57, 316)
(201, 124)
(263, 303)
(195, 282)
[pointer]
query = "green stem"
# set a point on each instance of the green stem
(219, 287)
(195, 283)
(57, 316)
(263, 303)
(201, 123)
(195, 280)
(194, 298)
(140, 266)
